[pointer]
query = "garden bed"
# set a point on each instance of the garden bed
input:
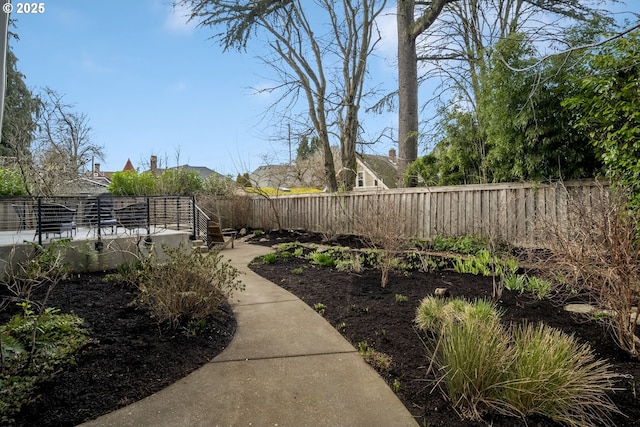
(364, 312)
(130, 356)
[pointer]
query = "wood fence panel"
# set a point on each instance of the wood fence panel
(514, 212)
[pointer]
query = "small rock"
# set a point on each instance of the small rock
(442, 292)
(580, 308)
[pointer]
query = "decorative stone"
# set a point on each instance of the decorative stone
(441, 292)
(580, 308)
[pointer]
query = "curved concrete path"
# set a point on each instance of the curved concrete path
(286, 366)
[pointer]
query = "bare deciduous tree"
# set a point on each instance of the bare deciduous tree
(63, 145)
(382, 227)
(325, 66)
(597, 253)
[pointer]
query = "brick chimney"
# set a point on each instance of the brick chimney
(392, 155)
(96, 169)
(154, 164)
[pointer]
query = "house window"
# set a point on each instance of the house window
(360, 182)
(375, 182)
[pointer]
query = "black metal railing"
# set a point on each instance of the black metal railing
(52, 217)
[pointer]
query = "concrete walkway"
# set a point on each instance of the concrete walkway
(286, 366)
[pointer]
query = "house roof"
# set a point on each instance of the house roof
(382, 167)
(128, 166)
(203, 171)
(276, 176)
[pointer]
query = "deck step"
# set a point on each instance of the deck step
(200, 245)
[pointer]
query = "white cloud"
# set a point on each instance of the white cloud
(387, 25)
(177, 20)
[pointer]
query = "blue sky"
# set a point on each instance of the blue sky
(151, 83)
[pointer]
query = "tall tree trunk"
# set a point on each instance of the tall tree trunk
(348, 148)
(407, 90)
(329, 164)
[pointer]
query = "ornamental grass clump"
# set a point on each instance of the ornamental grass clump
(556, 376)
(470, 351)
(484, 367)
(188, 286)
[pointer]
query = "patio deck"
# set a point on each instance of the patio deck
(106, 252)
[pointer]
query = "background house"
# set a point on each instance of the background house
(373, 172)
(376, 172)
(203, 171)
(279, 176)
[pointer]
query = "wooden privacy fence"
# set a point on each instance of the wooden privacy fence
(517, 213)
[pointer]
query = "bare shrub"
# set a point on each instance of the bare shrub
(598, 253)
(189, 286)
(336, 222)
(382, 227)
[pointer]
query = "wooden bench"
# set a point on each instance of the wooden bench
(217, 236)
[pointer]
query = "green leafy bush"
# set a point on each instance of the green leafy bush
(370, 258)
(461, 245)
(322, 258)
(11, 183)
(520, 282)
(539, 286)
(486, 264)
(35, 347)
(188, 286)
(130, 183)
(289, 247)
(270, 258)
(515, 282)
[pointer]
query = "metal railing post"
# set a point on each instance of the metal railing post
(195, 218)
(178, 212)
(39, 214)
(148, 218)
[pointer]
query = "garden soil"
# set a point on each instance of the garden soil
(131, 357)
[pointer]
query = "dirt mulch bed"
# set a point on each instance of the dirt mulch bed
(130, 356)
(366, 312)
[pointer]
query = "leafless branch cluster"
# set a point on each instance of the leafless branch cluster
(598, 254)
(382, 226)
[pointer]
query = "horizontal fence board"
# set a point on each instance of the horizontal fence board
(510, 212)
